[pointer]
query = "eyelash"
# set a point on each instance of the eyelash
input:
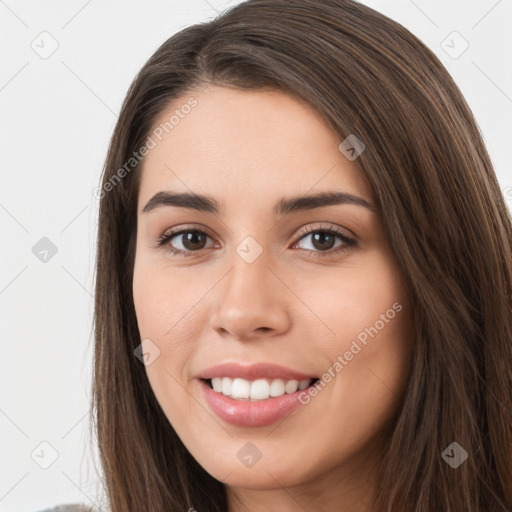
(348, 243)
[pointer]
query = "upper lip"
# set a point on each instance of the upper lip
(252, 371)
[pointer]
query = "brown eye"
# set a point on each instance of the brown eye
(184, 241)
(193, 240)
(324, 240)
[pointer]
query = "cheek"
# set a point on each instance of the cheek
(164, 298)
(367, 352)
(351, 300)
(165, 317)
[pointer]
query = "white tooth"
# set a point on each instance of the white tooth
(227, 384)
(241, 388)
(291, 386)
(277, 387)
(217, 384)
(259, 389)
(304, 384)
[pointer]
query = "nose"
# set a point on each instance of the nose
(251, 301)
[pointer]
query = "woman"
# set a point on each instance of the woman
(304, 275)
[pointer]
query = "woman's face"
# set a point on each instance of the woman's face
(267, 277)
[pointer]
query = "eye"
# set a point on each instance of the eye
(191, 241)
(323, 240)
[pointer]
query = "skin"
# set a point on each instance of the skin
(291, 306)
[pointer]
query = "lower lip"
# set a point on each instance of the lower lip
(245, 413)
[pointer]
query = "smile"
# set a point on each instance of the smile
(259, 389)
(253, 412)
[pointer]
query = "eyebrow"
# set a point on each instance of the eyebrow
(208, 204)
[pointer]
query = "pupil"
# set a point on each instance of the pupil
(322, 237)
(190, 240)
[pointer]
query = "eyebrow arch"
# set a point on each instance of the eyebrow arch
(286, 205)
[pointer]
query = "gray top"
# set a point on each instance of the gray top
(72, 507)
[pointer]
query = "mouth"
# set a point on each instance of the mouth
(256, 390)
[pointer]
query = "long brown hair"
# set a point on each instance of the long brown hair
(443, 213)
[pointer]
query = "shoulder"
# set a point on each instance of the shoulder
(72, 507)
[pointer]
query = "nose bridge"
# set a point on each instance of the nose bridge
(248, 280)
(247, 300)
(249, 263)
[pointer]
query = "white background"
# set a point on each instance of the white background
(56, 118)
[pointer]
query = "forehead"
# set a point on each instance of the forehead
(260, 142)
